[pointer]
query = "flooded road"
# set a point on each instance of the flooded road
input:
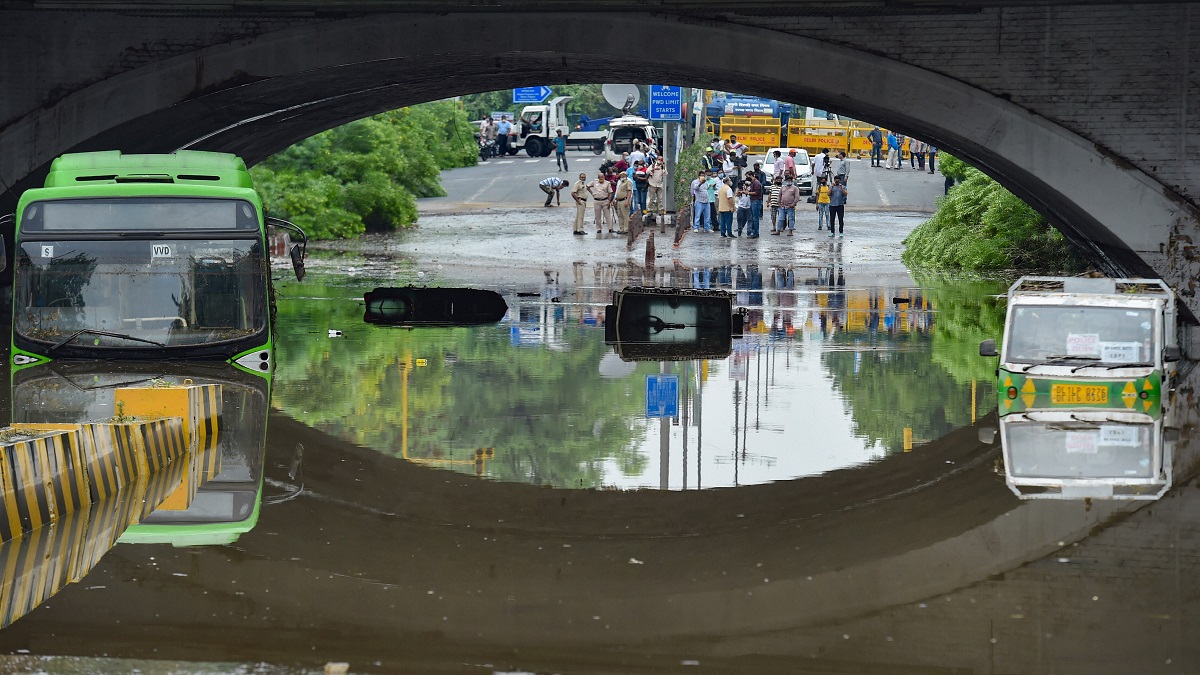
(501, 498)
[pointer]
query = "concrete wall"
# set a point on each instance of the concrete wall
(1082, 111)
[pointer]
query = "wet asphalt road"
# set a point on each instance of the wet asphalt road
(512, 182)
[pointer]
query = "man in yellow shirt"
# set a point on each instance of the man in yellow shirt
(823, 205)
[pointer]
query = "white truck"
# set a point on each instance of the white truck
(537, 126)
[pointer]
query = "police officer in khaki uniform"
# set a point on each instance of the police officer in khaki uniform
(621, 197)
(579, 194)
(601, 193)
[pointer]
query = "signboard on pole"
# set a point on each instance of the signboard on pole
(666, 103)
(531, 94)
(662, 396)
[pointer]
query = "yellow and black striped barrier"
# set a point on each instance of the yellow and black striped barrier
(36, 565)
(172, 488)
(107, 521)
(42, 477)
(199, 405)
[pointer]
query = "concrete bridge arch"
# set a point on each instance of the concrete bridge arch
(254, 96)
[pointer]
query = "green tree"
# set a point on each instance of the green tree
(366, 175)
(981, 227)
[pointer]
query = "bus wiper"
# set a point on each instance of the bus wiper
(89, 331)
(1056, 359)
(1128, 365)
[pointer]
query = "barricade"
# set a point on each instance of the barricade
(199, 405)
(174, 484)
(36, 565)
(42, 478)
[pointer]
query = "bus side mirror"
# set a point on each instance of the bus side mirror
(988, 348)
(987, 435)
(298, 262)
(1170, 354)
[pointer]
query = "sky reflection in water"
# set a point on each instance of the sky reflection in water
(833, 371)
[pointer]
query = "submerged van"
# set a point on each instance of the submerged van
(1090, 343)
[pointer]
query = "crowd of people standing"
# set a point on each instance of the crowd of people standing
(919, 152)
(631, 185)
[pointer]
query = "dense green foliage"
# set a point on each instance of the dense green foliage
(588, 100)
(979, 226)
(366, 175)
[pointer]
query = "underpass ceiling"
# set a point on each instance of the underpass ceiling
(699, 8)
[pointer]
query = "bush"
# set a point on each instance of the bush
(979, 227)
(366, 175)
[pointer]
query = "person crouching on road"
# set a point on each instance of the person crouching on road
(601, 193)
(621, 197)
(552, 186)
(579, 194)
(725, 207)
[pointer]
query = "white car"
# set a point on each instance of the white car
(803, 167)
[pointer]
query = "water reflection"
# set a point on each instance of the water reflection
(1087, 454)
(836, 369)
(209, 494)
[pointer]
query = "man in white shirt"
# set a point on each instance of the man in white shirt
(637, 155)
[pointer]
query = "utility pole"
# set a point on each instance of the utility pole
(670, 129)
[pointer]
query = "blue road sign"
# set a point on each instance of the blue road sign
(531, 94)
(662, 396)
(666, 103)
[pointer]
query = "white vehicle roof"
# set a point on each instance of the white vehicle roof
(629, 121)
(801, 155)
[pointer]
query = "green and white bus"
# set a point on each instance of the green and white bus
(144, 257)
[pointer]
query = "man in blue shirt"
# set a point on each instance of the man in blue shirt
(560, 150)
(503, 129)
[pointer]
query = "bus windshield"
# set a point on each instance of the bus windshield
(1111, 335)
(161, 291)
